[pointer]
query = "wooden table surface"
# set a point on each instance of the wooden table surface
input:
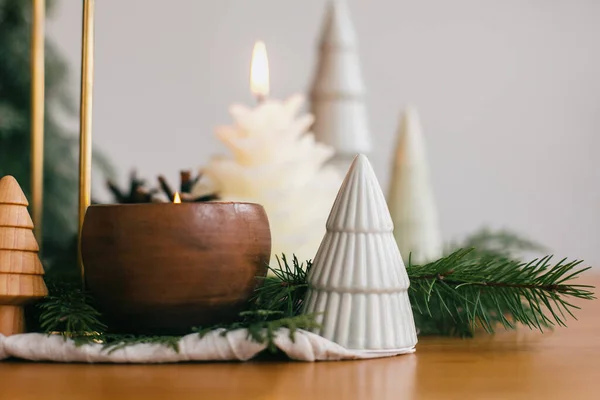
(564, 364)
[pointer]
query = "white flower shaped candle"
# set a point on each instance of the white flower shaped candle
(274, 161)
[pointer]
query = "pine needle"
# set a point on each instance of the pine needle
(68, 310)
(262, 326)
(112, 342)
(458, 293)
(455, 295)
(498, 243)
(285, 291)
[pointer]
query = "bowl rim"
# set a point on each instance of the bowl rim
(183, 204)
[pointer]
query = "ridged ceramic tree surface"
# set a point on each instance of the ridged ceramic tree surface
(338, 90)
(358, 280)
(275, 162)
(411, 199)
(21, 272)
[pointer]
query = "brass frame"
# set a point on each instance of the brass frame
(85, 117)
(37, 114)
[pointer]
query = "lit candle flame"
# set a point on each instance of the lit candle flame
(176, 198)
(259, 71)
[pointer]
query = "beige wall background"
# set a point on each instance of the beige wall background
(508, 92)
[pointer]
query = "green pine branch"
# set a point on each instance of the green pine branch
(68, 310)
(459, 293)
(114, 342)
(498, 243)
(465, 290)
(455, 295)
(276, 304)
(285, 290)
(263, 325)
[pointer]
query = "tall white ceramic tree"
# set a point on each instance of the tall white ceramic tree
(358, 281)
(411, 200)
(274, 161)
(338, 90)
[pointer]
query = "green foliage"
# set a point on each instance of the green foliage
(466, 289)
(113, 342)
(494, 252)
(68, 310)
(453, 296)
(502, 243)
(60, 164)
(276, 304)
(262, 325)
(285, 290)
(60, 147)
(458, 293)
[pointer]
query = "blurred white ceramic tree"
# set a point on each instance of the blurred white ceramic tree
(338, 91)
(275, 161)
(411, 200)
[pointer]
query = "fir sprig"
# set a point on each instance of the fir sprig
(114, 342)
(454, 295)
(276, 304)
(263, 325)
(68, 310)
(498, 243)
(265, 331)
(458, 293)
(285, 290)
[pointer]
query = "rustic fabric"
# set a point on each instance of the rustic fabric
(214, 346)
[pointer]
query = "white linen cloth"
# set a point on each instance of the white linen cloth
(214, 346)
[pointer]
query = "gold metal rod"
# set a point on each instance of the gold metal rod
(37, 115)
(85, 127)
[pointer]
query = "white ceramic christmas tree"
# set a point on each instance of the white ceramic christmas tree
(338, 91)
(275, 162)
(411, 200)
(358, 280)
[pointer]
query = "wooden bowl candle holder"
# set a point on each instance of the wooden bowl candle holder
(165, 268)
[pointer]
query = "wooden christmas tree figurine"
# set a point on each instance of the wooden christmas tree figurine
(21, 272)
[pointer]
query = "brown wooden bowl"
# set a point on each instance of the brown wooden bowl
(164, 268)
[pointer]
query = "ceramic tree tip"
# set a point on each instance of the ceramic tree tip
(360, 204)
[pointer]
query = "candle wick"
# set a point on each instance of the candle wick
(261, 98)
